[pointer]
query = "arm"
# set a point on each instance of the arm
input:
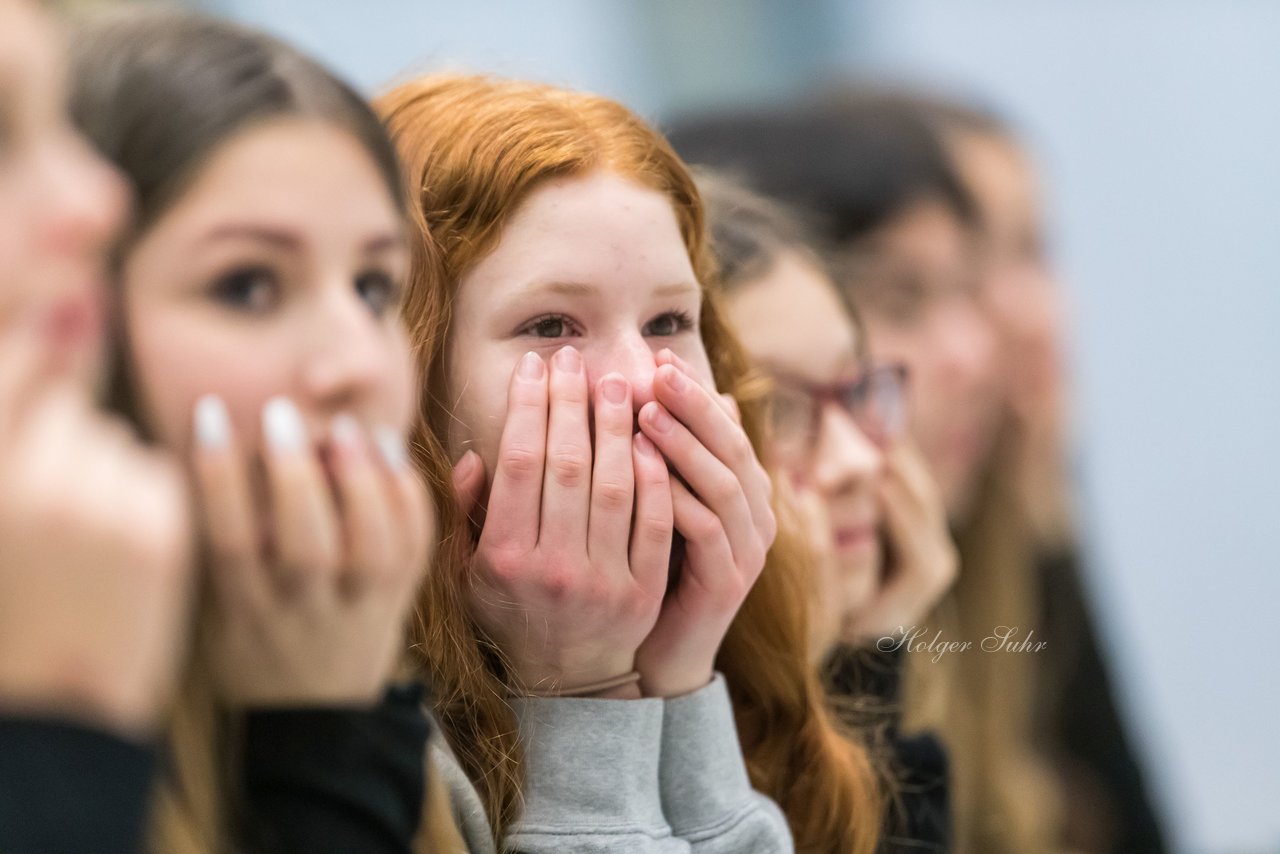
(335, 779)
(68, 787)
(591, 781)
(591, 777)
(706, 794)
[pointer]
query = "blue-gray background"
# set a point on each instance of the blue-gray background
(1157, 125)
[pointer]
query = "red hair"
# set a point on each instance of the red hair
(473, 149)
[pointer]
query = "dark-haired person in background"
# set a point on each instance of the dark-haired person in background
(910, 254)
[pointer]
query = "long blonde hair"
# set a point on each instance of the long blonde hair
(474, 148)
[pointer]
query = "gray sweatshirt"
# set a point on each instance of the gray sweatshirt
(647, 776)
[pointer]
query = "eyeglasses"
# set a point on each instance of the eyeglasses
(876, 401)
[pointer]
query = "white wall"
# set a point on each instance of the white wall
(1159, 125)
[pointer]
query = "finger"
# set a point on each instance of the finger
(612, 474)
(727, 402)
(925, 561)
(515, 501)
(906, 464)
(306, 525)
(706, 419)
(468, 482)
(368, 536)
(711, 578)
(414, 513)
(566, 486)
(650, 551)
(227, 517)
(708, 477)
(667, 356)
(731, 407)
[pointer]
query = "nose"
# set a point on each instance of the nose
(348, 354)
(845, 459)
(631, 356)
(86, 198)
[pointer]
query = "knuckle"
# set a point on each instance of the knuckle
(612, 495)
(744, 453)
(725, 489)
(556, 584)
(227, 552)
(502, 567)
(570, 467)
(766, 479)
(653, 528)
(520, 463)
(705, 527)
(769, 527)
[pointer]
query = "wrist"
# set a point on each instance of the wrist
(620, 687)
(670, 686)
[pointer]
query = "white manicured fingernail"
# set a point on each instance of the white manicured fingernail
(346, 431)
(391, 446)
(282, 425)
(213, 425)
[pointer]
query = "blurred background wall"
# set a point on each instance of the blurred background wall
(1157, 123)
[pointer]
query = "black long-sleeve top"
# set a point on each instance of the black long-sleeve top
(312, 780)
(869, 681)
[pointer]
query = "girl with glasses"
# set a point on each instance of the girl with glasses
(877, 524)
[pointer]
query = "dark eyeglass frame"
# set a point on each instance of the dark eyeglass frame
(843, 396)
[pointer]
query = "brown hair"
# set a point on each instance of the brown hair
(474, 148)
(158, 92)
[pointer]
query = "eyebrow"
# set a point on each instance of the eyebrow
(587, 289)
(286, 239)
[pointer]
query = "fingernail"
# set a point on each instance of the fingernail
(659, 419)
(614, 388)
(531, 366)
(644, 446)
(345, 431)
(675, 379)
(568, 359)
(282, 425)
(391, 446)
(213, 425)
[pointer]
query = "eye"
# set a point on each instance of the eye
(901, 301)
(252, 289)
(549, 326)
(379, 290)
(670, 323)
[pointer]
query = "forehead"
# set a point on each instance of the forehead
(928, 232)
(601, 228)
(306, 173)
(997, 173)
(791, 319)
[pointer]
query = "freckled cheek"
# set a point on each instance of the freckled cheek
(479, 414)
